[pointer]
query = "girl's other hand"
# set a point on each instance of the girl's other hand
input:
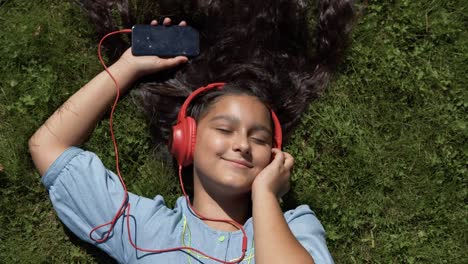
(274, 178)
(143, 65)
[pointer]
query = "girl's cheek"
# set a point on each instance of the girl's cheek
(218, 144)
(265, 158)
(268, 160)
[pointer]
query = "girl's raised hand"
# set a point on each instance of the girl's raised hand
(274, 178)
(143, 65)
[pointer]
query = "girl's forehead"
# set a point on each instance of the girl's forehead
(242, 107)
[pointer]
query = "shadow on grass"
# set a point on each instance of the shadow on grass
(290, 200)
(98, 255)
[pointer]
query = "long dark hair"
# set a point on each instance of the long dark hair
(264, 46)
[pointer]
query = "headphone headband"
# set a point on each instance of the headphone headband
(183, 110)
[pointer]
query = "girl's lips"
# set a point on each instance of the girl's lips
(240, 163)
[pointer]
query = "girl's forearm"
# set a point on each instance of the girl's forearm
(73, 122)
(274, 241)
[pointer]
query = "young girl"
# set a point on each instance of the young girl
(238, 174)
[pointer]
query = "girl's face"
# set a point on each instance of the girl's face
(233, 144)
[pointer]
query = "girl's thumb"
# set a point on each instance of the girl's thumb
(173, 62)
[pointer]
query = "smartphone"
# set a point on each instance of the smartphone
(165, 41)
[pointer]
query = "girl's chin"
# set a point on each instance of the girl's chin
(234, 187)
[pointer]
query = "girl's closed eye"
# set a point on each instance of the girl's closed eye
(261, 140)
(224, 130)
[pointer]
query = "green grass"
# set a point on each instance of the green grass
(381, 158)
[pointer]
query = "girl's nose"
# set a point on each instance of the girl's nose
(241, 143)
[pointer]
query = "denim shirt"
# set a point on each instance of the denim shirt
(85, 194)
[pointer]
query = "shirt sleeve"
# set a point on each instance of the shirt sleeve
(310, 233)
(85, 195)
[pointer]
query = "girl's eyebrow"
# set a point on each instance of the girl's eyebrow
(235, 120)
(228, 118)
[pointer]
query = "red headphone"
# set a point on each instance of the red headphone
(184, 132)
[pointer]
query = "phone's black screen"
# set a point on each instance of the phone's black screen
(165, 41)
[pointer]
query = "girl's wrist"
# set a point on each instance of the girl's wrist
(262, 193)
(124, 73)
(127, 66)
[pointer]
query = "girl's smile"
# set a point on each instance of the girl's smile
(240, 163)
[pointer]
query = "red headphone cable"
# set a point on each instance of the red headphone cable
(125, 206)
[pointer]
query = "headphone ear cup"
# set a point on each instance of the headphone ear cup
(183, 141)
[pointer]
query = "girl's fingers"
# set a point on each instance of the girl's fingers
(283, 159)
(166, 21)
(288, 161)
(278, 156)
